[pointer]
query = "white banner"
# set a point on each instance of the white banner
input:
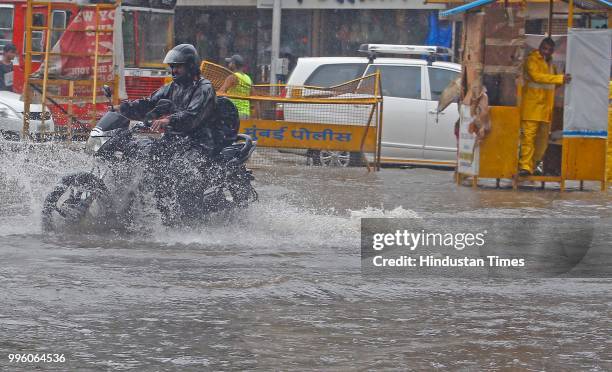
(586, 97)
(469, 154)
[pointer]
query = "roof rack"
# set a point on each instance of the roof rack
(421, 50)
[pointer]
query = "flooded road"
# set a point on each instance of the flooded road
(279, 287)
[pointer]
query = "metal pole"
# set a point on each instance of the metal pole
(71, 120)
(550, 17)
(276, 30)
(570, 14)
(95, 71)
(454, 41)
(25, 131)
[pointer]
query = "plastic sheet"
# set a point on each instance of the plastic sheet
(586, 97)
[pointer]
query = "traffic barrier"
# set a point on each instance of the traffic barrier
(337, 125)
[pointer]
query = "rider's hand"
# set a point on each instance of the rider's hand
(159, 123)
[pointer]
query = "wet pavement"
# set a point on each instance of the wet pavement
(279, 287)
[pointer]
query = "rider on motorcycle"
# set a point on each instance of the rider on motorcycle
(194, 101)
(189, 127)
(197, 167)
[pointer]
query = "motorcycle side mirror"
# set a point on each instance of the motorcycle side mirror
(108, 92)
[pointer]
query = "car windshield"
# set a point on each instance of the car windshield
(399, 81)
(335, 74)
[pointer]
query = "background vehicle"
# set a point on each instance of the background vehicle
(11, 117)
(412, 132)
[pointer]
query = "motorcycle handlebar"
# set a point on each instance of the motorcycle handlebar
(244, 152)
(246, 138)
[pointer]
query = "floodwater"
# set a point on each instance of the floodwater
(279, 287)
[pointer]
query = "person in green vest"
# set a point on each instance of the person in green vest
(238, 84)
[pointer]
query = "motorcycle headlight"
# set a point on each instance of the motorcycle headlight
(94, 143)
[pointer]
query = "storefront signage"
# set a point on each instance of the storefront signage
(350, 4)
(78, 47)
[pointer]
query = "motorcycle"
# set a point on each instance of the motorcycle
(188, 184)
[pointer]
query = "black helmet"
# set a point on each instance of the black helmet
(185, 54)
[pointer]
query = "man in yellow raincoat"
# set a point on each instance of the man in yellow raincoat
(537, 104)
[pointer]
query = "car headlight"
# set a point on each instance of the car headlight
(94, 143)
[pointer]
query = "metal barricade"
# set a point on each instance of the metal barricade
(337, 125)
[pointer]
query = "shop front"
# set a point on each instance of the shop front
(308, 28)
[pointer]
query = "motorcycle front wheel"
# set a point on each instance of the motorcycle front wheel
(77, 199)
(242, 191)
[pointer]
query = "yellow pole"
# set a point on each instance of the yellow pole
(380, 119)
(570, 14)
(25, 131)
(46, 62)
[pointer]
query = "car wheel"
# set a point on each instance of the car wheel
(329, 158)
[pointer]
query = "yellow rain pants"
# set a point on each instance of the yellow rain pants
(534, 141)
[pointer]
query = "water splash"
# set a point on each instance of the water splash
(30, 171)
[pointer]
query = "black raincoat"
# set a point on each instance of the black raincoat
(192, 137)
(195, 110)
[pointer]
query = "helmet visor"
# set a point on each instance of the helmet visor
(174, 56)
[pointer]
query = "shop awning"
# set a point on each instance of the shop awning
(592, 4)
(583, 4)
(466, 7)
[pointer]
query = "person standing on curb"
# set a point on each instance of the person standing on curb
(6, 67)
(238, 84)
(537, 105)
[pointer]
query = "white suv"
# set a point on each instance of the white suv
(413, 132)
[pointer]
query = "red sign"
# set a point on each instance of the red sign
(78, 47)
